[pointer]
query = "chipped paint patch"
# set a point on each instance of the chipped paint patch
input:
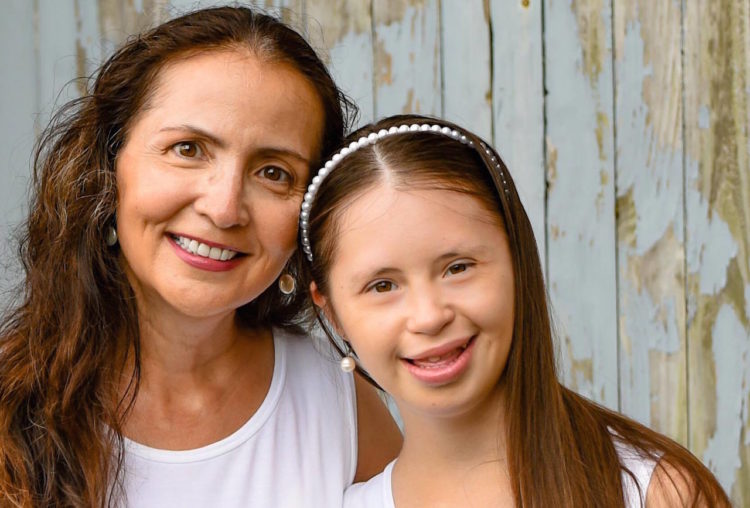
(704, 117)
(731, 350)
(551, 164)
(602, 130)
(627, 219)
(592, 33)
(383, 64)
(394, 11)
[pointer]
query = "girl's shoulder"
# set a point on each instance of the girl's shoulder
(374, 493)
(638, 469)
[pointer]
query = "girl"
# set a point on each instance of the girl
(423, 259)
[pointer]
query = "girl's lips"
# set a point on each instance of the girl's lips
(442, 349)
(441, 369)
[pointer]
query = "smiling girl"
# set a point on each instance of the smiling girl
(423, 259)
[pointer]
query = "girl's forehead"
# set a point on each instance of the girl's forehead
(388, 216)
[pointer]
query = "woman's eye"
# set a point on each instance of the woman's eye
(188, 149)
(382, 286)
(457, 268)
(275, 174)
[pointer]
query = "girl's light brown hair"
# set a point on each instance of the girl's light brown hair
(560, 449)
(64, 349)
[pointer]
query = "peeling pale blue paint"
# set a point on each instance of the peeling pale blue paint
(711, 257)
(413, 44)
(351, 66)
(731, 351)
(704, 117)
(518, 102)
(581, 241)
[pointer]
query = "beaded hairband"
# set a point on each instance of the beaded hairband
(371, 139)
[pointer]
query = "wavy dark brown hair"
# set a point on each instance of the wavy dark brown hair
(560, 449)
(65, 348)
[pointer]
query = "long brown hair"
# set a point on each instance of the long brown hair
(63, 349)
(560, 448)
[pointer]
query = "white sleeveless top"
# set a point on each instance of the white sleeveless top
(298, 449)
(377, 492)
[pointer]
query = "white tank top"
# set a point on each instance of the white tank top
(298, 449)
(377, 492)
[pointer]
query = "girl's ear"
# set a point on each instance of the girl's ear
(318, 299)
(321, 302)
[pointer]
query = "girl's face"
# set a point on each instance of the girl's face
(421, 284)
(211, 178)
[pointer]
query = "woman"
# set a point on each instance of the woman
(423, 258)
(153, 360)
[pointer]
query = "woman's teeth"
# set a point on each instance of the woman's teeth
(203, 250)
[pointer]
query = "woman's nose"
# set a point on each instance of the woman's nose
(429, 313)
(224, 199)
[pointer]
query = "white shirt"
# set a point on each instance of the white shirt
(378, 493)
(298, 450)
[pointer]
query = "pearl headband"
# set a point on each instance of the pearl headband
(371, 139)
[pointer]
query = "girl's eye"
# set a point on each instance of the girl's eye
(275, 174)
(382, 286)
(457, 268)
(188, 149)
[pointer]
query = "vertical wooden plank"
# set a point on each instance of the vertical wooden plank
(343, 30)
(717, 194)
(407, 57)
(467, 80)
(120, 19)
(580, 208)
(57, 59)
(518, 102)
(17, 111)
(650, 226)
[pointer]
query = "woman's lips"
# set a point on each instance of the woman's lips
(204, 256)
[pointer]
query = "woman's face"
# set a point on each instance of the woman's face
(211, 178)
(421, 284)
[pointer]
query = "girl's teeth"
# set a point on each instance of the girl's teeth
(203, 250)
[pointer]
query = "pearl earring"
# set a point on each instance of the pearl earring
(287, 285)
(111, 239)
(348, 363)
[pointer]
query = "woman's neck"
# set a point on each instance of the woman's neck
(200, 379)
(457, 460)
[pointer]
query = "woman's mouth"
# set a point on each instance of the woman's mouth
(204, 250)
(212, 258)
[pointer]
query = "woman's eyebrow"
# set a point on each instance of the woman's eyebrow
(196, 131)
(271, 150)
(284, 151)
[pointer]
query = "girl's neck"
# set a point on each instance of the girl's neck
(455, 460)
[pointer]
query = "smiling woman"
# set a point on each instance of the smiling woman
(155, 358)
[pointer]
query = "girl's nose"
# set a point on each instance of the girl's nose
(429, 313)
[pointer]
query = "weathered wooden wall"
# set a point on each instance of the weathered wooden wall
(626, 124)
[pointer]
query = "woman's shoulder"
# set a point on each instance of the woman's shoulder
(374, 493)
(305, 347)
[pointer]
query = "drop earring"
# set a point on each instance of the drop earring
(111, 239)
(348, 363)
(287, 285)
